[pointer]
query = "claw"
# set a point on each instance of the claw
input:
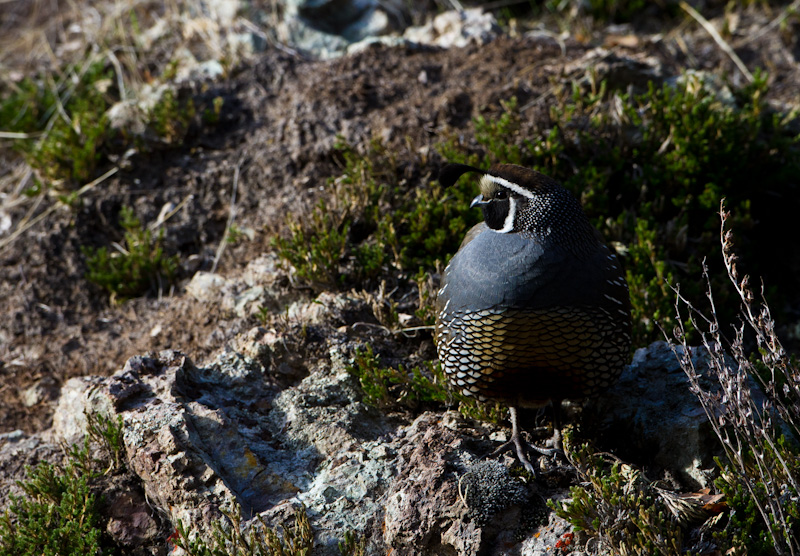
(523, 448)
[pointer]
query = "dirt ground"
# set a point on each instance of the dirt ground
(273, 152)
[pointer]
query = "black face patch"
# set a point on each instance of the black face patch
(495, 212)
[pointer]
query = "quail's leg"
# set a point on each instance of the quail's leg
(522, 448)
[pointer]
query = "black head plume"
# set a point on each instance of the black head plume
(451, 172)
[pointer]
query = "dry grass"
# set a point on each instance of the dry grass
(752, 423)
(141, 41)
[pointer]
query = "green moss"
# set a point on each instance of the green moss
(134, 270)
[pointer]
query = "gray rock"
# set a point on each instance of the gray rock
(325, 28)
(265, 428)
(651, 415)
(455, 29)
(330, 28)
(206, 286)
(17, 451)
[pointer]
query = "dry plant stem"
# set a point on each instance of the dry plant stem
(231, 216)
(787, 11)
(718, 39)
(742, 424)
(28, 224)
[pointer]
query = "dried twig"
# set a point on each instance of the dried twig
(744, 424)
(718, 39)
(22, 229)
(231, 216)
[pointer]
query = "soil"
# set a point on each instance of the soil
(270, 156)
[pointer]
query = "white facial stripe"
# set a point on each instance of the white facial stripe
(508, 225)
(512, 186)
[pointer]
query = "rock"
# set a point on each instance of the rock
(69, 418)
(205, 439)
(239, 431)
(206, 286)
(325, 28)
(325, 412)
(130, 521)
(330, 28)
(17, 451)
(44, 389)
(248, 302)
(318, 310)
(455, 29)
(651, 415)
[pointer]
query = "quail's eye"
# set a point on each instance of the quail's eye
(501, 194)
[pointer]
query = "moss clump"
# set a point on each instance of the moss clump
(138, 267)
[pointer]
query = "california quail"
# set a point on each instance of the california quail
(533, 307)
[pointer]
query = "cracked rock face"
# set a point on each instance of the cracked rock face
(276, 421)
(245, 431)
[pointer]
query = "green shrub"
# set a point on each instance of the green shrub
(390, 387)
(170, 117)
(139, 267)
(228, 538)
(384, 386)
(107, 433)
(66, 122)
(617, 506)
(315, 249)
(65, 132)
(352, 545)
(650, 170)
(375, 221)
(58, 516)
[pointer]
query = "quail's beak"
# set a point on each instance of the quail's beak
(478, 202)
